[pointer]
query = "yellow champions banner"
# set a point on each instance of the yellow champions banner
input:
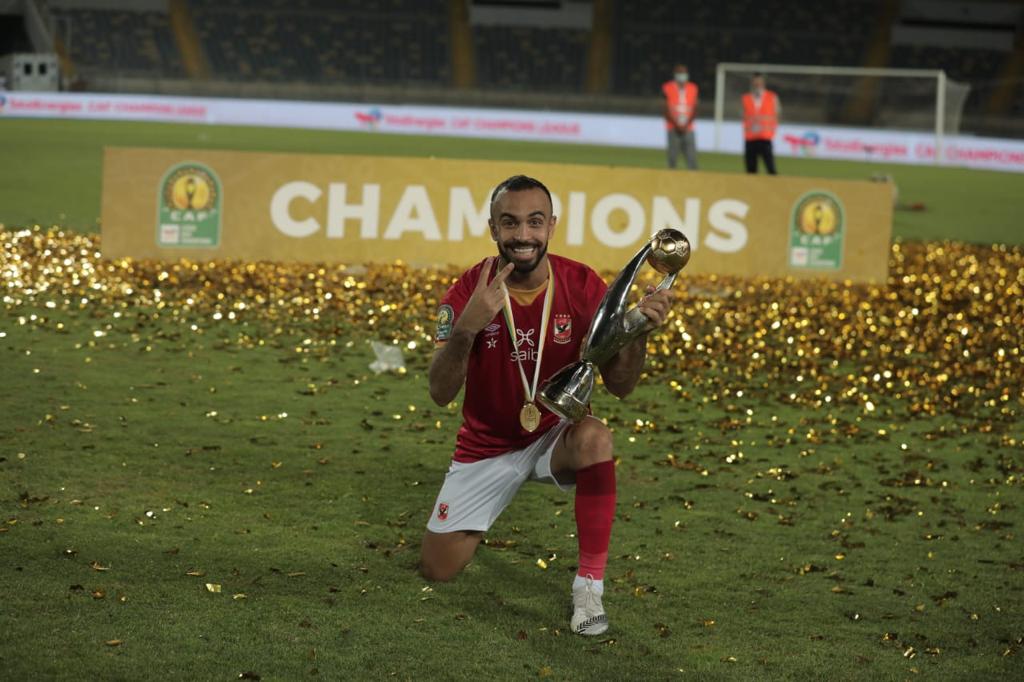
(174, 203)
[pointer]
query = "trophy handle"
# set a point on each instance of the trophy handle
(604, 338)
(668, 281)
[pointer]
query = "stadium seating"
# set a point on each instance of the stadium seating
(530, 58)
(398, 43)
(392, 42)
(980, 68)
(120, 42)
(652, 36)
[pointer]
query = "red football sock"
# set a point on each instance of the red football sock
(595, 510)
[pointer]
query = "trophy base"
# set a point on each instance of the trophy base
(567, 393)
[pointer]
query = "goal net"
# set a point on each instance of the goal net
(887, 99)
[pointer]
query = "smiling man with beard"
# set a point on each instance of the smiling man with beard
(503, 328)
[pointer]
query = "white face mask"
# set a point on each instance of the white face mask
(682, 77)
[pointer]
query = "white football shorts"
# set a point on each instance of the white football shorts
(475, 493)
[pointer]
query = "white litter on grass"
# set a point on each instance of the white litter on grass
(389, 357)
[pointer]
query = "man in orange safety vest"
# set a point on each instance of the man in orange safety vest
(680, 110)
(761, 110)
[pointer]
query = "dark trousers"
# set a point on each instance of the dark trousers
(762, 148)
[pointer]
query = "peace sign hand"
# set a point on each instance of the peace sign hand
(485, 302)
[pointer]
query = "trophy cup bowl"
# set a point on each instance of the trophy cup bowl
(567, 392)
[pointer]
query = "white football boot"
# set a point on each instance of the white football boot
(588, 616)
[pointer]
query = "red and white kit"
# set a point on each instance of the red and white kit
(494, 395)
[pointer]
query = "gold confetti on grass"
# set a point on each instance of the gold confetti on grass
(942, 334)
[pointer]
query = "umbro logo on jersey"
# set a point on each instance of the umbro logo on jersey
(492, 329)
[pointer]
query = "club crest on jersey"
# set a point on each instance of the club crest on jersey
(563, 328)
(442, 511)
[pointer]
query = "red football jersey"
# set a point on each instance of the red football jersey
(494, 389)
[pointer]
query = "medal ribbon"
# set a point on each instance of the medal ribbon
(549, 296)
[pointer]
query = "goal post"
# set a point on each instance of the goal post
(917, 100)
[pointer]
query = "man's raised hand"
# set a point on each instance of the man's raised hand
(485, 302)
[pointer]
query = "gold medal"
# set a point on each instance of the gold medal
(529, 417)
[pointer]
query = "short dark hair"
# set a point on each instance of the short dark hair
(519, 183)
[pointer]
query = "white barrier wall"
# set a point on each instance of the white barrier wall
(858, 144)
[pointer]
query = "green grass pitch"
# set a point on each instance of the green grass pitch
(185, 496)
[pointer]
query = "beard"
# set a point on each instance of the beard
(507, 251)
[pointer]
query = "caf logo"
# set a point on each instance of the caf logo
(190, 189)
(819, 214)
(817, 232)
(189, 207)
(445, 318)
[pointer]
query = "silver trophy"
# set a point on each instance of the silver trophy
(567, 393)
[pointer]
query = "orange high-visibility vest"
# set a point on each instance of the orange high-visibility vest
(759, 122)
(681, 106)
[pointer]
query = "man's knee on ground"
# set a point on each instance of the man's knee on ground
(442, 557)
(438, 571)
